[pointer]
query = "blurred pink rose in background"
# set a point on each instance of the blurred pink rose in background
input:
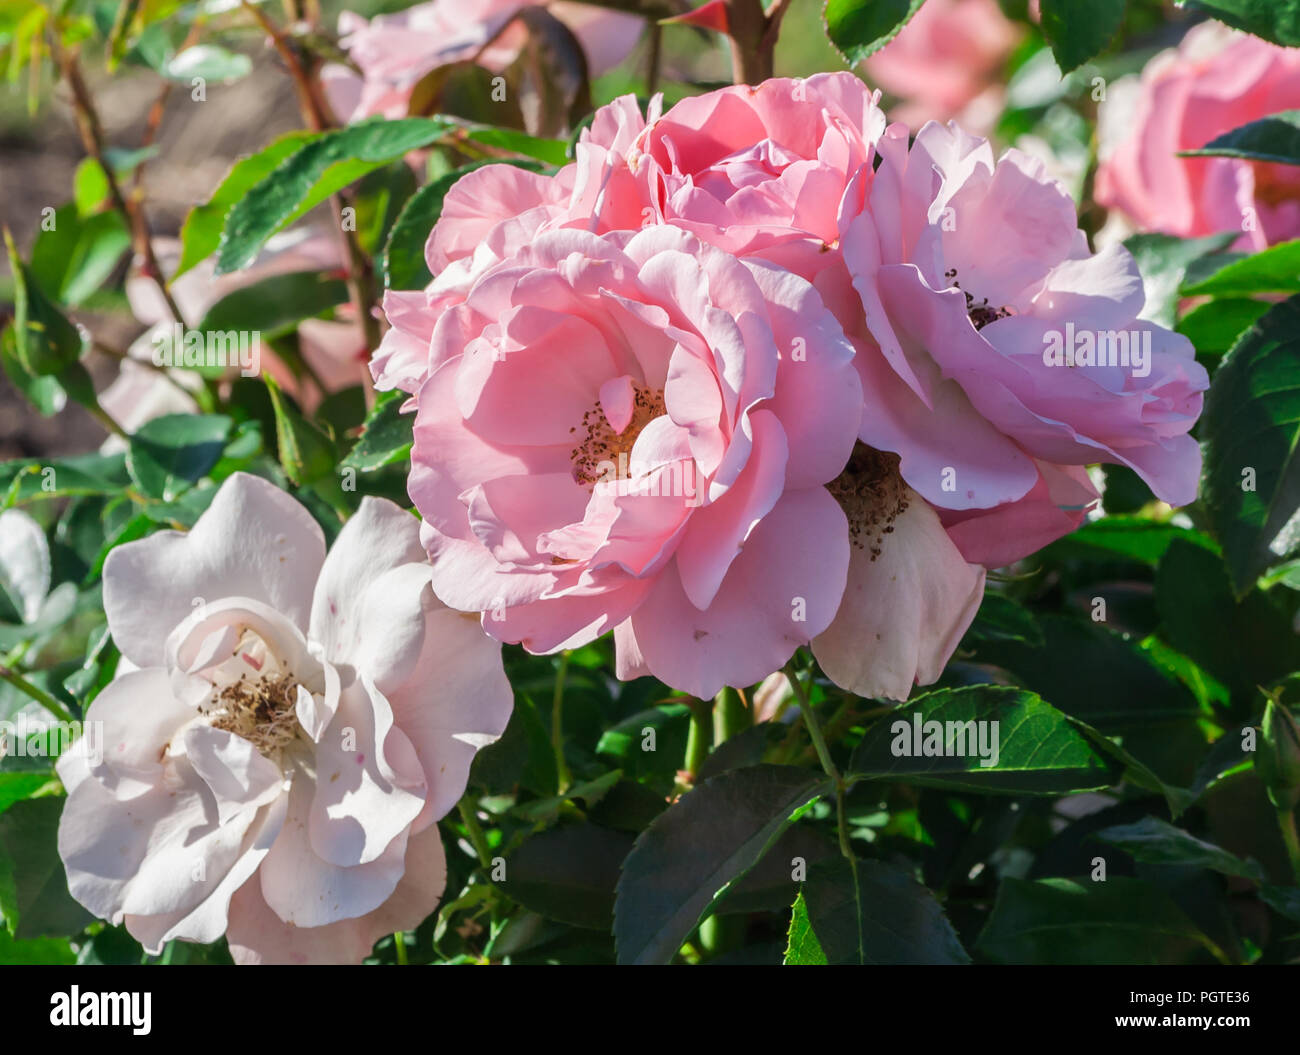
(395, 51)
(335, 350)
(947, 62)
(1215, 81)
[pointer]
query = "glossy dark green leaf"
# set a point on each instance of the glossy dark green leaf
(1154, 841)
(319, 168)
(1274, 20)
(685, 861)
(1079, 30)
(886, 916)
(169, 454)
(1215, 326)
(1251, 428)
(1063, 921)
(386, 436)
(1272, 270)
(1000, 619)
(41, 902)
(1163, 261)
(947, 738)
(859, 28)
(201, 232)
(569, 873)
(42, 478)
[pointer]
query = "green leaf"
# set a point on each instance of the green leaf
(1062, 921)
(1275, 138)
(1214, 327)
(319, 168)
(208, 61)
(35, 951)
(885, 916)
(41, 478)
(89, 186)
(201, 232)
(379, 199)
(1154, 841)
(1163, 261)
(859, 28)
(45, 341)
(1277, 21)
(944, 739)
(306, 453)
(1251, 429)
(549, 151)
(44, 393)
(74, 259)
(275, 305)
(802, 948)
(1272, 270)
(1079, 30)
(569, 873)
(685, 861)
(403, 261)
(18, 787)
(386, 436)
(42, 904)
(169, 454)
(1136, 538)
(521, 756)
(1001, 619)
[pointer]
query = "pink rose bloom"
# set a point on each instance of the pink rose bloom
(948, 57)
(975, 281)
(767, 171)
(284, 731)
(394, 52)
(1215, 81)
(750, 170)
(635, 432)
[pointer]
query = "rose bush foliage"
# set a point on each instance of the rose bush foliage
(556, 508)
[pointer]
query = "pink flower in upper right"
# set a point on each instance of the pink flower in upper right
(1215, 81)
(991, 316)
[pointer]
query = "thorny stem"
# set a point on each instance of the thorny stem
(752, 34)
(652, 59)
(557, 722)
(39, 695)
(92, 139)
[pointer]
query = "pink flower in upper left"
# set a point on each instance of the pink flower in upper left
(284, 732)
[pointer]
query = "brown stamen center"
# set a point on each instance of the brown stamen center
(261, 710)
(981, 312)
(872, 494)
(601, 453)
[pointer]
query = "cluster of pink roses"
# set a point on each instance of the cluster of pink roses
(759, 372)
